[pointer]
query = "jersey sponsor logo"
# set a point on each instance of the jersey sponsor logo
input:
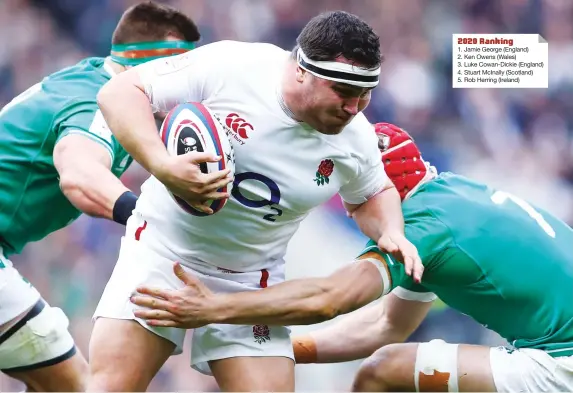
(239, 127)
(273, 189)
(325, 169)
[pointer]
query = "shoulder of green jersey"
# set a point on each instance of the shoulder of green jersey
(407, 294)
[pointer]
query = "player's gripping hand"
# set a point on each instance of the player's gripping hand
(402, 250)
(186, 308)
(182, 176)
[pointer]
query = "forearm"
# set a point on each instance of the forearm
(381, 214)
(302, 301)
(128, 113)
(360, 334)
(94, 191)
(355, 336)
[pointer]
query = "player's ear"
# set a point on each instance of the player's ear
(300, 74)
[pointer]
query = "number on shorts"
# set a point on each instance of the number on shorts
(22, 97)
(499, 197)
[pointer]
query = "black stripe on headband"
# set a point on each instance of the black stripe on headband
(337, 74)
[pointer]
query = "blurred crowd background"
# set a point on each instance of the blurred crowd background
(518, 139)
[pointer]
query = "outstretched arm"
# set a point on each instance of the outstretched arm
(303, 301)
(358, 335)
(294, 302)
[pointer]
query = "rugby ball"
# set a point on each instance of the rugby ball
(193, 127)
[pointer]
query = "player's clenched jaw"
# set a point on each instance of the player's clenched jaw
(336, 64)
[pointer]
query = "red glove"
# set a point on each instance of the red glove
(401, 157)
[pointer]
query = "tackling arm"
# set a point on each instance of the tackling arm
(85, 177)
(358, 335)
(303, 301)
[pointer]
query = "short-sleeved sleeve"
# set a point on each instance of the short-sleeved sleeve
(80, 117)
(98, 131)
(370, 176)
(393, 275)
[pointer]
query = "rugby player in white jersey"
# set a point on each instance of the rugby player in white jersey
(299, 138)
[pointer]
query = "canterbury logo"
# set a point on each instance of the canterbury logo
(238, 125)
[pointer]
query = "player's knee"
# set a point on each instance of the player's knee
(128, 359)
(103, 382)
(39, 339)
(67, 376)
(376, 372)
(114, 379)
(107, 375)
(436, 367)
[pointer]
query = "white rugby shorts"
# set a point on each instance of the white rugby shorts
(140, 264)
(40, 338)
(530, 370)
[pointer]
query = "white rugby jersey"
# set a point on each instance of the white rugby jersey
(284, 168)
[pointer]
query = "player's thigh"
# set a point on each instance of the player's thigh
(434, 366)
(125, 356)
(249, 344)
(247, 374)
(217, 342)
(39, 351)
(530, 370)
(126, 353)
(138, 264)
(17, 295)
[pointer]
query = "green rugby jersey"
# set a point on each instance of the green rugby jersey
(31, 202)
(494, 257)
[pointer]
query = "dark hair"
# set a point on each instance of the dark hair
(332, 34)
(149, 21)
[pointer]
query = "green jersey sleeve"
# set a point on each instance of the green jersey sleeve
(394, 276)
(78, 117)
(86, 119)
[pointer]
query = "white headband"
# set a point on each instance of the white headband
(339, 72)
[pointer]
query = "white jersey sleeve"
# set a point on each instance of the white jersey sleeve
(189, 77)
(370, 176)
